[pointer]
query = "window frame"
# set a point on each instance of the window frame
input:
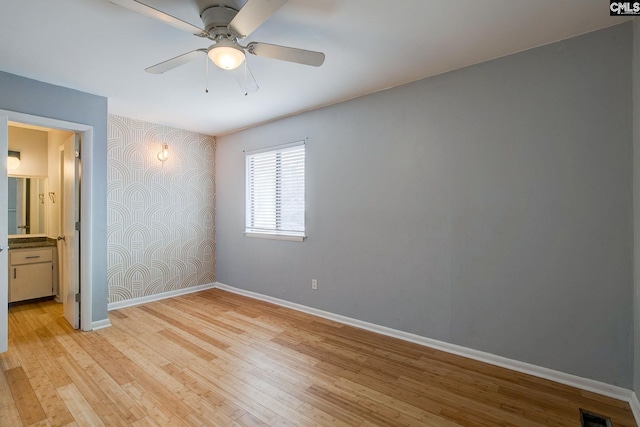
(275, 234)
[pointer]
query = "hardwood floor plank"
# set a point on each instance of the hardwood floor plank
(158, 386)
(350, 405)
(282, 403)
(9, 415)
(197, 332)
(332, 411)
(126, 408)
(145, 422)
(239, 394)
(82, 412)
(24, 396)
(108, 357)
(207, 404)
(188, 345)
(422, 416)
(9, 360)
(214, 358)
(89, 387)
(153, 407)
(56, 412)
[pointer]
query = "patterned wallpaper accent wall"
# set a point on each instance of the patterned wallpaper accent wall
(160, 217)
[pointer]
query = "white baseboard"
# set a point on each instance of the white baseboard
(158, 297)
(635, 407)
(515, 365)
(100, 324)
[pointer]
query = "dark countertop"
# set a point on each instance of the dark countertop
(31, 242)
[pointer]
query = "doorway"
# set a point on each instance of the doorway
(85, 247)
(44, 208)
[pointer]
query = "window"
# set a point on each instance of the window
(275, 192)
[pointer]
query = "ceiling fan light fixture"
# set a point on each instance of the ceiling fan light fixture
(226, 55)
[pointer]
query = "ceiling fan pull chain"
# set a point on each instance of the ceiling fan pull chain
(246, 85)
(206, 74)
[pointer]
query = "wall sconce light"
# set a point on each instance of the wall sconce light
(13, 160)
(163, 155)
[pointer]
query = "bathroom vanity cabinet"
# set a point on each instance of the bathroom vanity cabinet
(31, 273)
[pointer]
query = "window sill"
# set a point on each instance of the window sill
(289, 237)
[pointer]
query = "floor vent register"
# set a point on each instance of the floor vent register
(589, 419)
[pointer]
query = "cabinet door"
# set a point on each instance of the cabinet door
(30, 281)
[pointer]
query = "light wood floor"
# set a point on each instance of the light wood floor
(218, 359)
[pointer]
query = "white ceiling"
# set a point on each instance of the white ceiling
(97, 47)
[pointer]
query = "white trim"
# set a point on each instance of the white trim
(30, 119)
(86, 229)
(492, 359)
(274, 236)
(86, 294)
(276, 147)
(635, 407)
(100, 324)
(4, 258)
(157, 297)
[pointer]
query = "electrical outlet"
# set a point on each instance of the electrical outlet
(314, 284)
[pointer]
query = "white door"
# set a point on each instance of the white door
(71, 244)
(4, 207)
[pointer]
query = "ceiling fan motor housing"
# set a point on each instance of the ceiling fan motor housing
(216, 20)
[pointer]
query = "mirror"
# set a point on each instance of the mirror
(26, 205)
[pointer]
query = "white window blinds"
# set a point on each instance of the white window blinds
(275, 191)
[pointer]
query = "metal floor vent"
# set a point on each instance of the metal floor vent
(589, 419)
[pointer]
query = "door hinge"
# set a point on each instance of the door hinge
(77, 154)
(77, 297)
(78, 226)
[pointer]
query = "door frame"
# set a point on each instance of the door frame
(86, 205)
(4, 253)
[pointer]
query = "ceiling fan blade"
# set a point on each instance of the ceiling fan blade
(172, 63)
(252, 15)
(245, 79)
(290, 54)
(151, 12)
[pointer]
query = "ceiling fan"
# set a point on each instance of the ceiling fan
(225, 26)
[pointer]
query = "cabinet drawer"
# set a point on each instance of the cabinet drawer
(31, 256)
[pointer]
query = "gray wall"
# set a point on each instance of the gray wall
(489, 207)
(28, 96)
(636, 198)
